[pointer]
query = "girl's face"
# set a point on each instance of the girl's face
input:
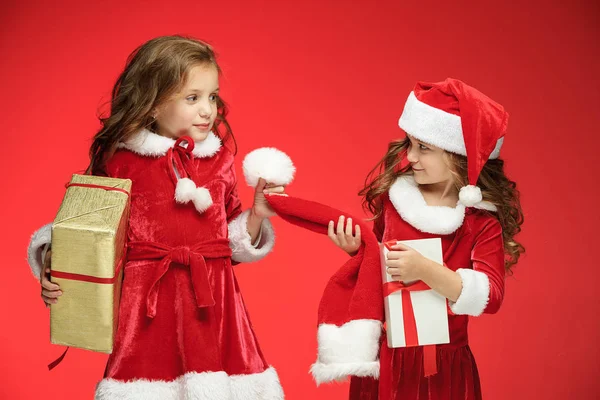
(193, 110)
(428, 163)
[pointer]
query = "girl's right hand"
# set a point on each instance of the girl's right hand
(50, 291)
(343, 237)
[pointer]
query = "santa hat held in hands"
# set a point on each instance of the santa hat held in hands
(350, 313)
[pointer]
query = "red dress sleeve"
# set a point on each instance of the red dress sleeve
(483, 284)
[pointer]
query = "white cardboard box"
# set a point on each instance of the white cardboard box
(430, 308)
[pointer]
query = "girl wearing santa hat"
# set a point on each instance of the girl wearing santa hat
(184, 332)
(444, 179)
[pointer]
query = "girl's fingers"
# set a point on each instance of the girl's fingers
(51, 294)
(394, 255)
(276, 189)
(340, 224)
(46, 284)
(261, 185)
(340, 231)
(331, 232)
(401, 247)
(357, 230)
(277, 194)
(349, 227)
(48, 300)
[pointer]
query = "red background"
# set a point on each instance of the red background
(326, 83)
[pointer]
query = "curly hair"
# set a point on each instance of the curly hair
(495, 186)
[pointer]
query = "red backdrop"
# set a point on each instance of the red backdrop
(326, 83)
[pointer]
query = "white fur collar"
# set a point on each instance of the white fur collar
(410, 204)
(148, 143)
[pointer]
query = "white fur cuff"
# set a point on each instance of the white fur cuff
(197, 386)
(241, 242)
(350, 349)
(39, 240)
(475, 293)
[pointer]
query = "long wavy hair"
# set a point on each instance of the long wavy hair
(154, 72)
(495, 188)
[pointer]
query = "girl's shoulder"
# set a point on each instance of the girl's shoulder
(479, 221)
(121, 163)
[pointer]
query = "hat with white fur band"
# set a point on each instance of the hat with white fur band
(458, 118)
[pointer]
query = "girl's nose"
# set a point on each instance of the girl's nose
(205, 109)
(411, 155)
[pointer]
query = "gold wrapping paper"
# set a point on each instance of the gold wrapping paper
(88, 239)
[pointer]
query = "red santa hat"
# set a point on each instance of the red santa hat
(350, 316)
(457, 118)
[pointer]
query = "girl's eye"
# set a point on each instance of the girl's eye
(421, 147)
(192, 98)
(214, 97)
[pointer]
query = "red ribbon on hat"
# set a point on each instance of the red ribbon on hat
(408, 315)
(192, 257)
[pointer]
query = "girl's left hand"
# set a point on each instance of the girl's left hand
(261, 207)
(405, 264)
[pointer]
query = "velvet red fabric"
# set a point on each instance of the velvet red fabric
(355, 290)
(477, 244)
(181, 308)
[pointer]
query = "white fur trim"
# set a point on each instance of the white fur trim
(268, 163)
(437, 127)
(39, 240)
(440, 220)
(240, 240)
(147, 143)
(196, 386)
(186, 191)
(470, 195)
(486, 205)
(474, 295)
(410, 204)
(496, 152)
(263, 386)
(202, 199)
(350, 349)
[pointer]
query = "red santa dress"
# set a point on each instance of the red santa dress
(184, 331)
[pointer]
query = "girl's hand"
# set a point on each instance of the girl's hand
(343, 237)
(50, 291)
(261, 207)
(405, 264)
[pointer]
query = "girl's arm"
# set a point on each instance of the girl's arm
(483, 285)
(443, 280)
(38, 245)
(38, 258)
(471, 291)
(261, 209)
(251, 236)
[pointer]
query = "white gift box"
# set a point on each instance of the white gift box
(430, 322)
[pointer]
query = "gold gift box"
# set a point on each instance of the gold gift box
(88, 250)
